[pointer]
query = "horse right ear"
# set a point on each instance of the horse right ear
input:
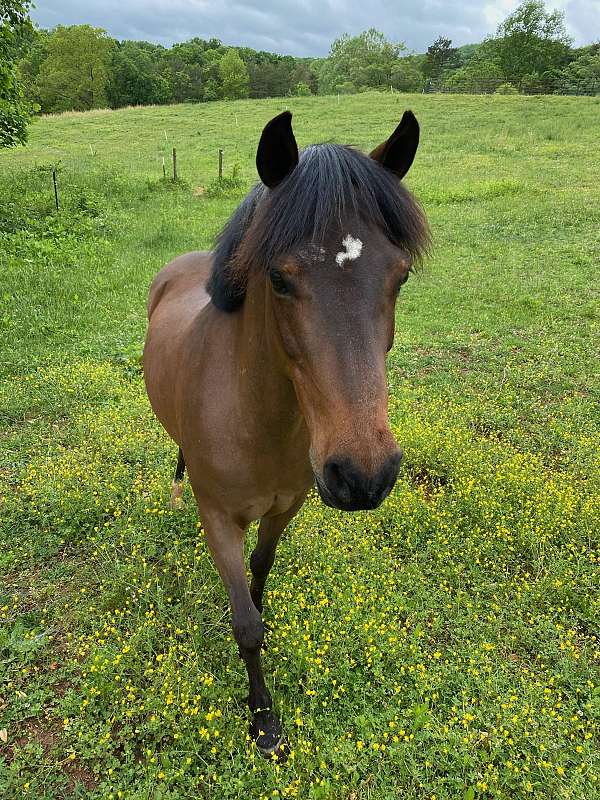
(398, 152)
(277, 153)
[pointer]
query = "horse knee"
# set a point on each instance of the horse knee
(249, 632)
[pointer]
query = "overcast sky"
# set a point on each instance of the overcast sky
(304, 27)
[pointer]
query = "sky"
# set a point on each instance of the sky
(304, 27)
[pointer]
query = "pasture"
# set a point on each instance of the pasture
(444, 647)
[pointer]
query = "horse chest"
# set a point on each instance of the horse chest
(271, 504)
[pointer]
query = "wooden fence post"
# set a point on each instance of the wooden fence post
(55, 187)
(174, 164)
(220, 163)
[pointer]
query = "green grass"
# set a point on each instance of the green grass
(446, 646)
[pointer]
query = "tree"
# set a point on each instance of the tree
(189, 66)
(440, 58)
(481, 75)
(302, 90)
(466, 53)
(582, 76)
(31, 62)
(135, 77)
(211, 74)
(531, 41)
(360, 62)
(271, 75)
(407, 75)
(15, 26)
(234, 75)
(304, 72)
(75, 74)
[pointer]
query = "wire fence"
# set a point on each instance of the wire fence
(586, 86)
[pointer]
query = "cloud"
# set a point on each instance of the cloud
(304, 27)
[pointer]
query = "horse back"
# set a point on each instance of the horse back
(176, 302)
(182, 280)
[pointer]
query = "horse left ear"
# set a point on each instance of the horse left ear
(398, 152)
(277, 153)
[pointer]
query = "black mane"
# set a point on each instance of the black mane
(330, 182)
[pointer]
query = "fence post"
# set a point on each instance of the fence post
(174, 164)
(164, 170)
(220, 163)
(55, 187)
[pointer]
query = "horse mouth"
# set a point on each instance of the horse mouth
(341, 505)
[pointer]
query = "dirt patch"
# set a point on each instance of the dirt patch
(78, 774)
(47, 733)
(427, 481)
(44, 732)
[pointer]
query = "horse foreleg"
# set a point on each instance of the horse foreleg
(226, 543)
(263, 555)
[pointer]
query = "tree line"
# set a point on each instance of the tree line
(79, 67)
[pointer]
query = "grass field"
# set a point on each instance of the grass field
(446, 647)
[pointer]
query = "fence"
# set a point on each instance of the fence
(590, 87)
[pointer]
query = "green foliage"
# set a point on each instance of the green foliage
(444, 645)
(228, 185)
(275, 76)
(358, 63)
(29, 207)
(166, 184)
(531, 41)
(440, 58)
(582, 76)
(466, 53)
(304, 72)
(135, 76)
(234, 76)
(507, 88)
(75, 74)
(302, 90)
(530, 51)
(481, 75)
(212, 90)
(192, 70)
(31, 59)
(15, 26)
(407, 75)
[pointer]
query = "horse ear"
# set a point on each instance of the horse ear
(277, 153)
(398, 152)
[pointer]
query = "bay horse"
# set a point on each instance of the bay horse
(265, 360)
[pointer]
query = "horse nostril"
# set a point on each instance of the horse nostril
(384, 483)
(336, 477)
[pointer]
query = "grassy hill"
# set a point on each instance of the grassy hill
(445, 646)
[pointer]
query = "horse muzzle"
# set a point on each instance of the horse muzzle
(344, 485)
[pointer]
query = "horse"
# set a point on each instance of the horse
(265, 360)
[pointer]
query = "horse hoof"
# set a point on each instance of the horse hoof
(267, 734)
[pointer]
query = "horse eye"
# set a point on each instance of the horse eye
(278, 282)
(401, 282)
